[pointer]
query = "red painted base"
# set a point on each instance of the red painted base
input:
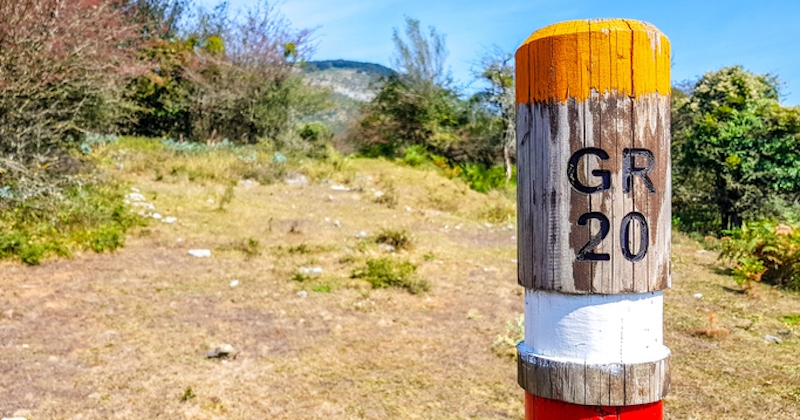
(537, 408)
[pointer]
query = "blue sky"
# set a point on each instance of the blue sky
(763, 36)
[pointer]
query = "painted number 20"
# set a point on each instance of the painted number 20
(587, 252)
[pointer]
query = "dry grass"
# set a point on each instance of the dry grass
(125, 335)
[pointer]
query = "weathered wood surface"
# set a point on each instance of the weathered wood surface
(593, 156)
(606, 385)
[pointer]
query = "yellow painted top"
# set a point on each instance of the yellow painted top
(572, 59)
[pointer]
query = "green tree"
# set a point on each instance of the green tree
(497, 71)
(414, 106)
(420, 60)
(738, 143)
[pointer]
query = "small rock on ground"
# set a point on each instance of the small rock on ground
(222, 352)
(773, 339)
(311, 271)
(200, 253)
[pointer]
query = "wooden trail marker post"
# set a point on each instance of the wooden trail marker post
(594, 195)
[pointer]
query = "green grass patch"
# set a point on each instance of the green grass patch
(791, 320)
(388, 272)
(91, 217)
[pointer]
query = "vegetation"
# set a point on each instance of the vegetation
(390, 272)
(764, 250)
(399, 239)
(89, 216)
(419, 115)
(736, 152)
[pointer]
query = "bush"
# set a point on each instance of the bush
(506, 345)
(226, 78)
(387, 272)
(85, 217)
(484, 178)
(764, 250)
(399, 239)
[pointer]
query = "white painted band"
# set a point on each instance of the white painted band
(595, 329)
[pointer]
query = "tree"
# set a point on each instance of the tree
(497, 69)
(414, 106)
(737, 142)
(226, 77)
(420, 61)
(158, 18)
(63, 66)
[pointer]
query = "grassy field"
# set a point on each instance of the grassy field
(125, 335)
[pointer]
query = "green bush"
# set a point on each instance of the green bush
(388, 272)
(484, 178)
(764, 250)
(415, 155)
(84, 217)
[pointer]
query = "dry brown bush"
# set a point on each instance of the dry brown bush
(62, 65)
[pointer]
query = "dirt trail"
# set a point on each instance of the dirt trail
(125, 335)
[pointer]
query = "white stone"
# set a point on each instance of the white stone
(146, 205)
(200, 253)
(170, 219)
(361, 235)
(234, 283)
(337, 223)
(157, 216)
(302, 294)
(378, 194)
(339, 188)
(698, 295)
(311, 271)
(773, 339)
(298, 179)
(135, 197)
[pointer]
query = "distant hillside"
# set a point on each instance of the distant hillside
(352, 84)
(368, 68)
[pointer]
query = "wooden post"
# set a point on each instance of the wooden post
(593, 156)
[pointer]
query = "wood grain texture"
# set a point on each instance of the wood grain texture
(586, 384)
(550, 207)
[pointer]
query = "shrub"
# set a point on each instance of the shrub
(62, 70)
(415, 155)
(388, 272)
(399, 239)
(506, 345)
(91, 216)
(249, 247)
(764, 250)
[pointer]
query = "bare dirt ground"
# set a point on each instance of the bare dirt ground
(125, 335)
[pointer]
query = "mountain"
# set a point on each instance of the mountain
(350, 78)
(368, 68)
(352, 84)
